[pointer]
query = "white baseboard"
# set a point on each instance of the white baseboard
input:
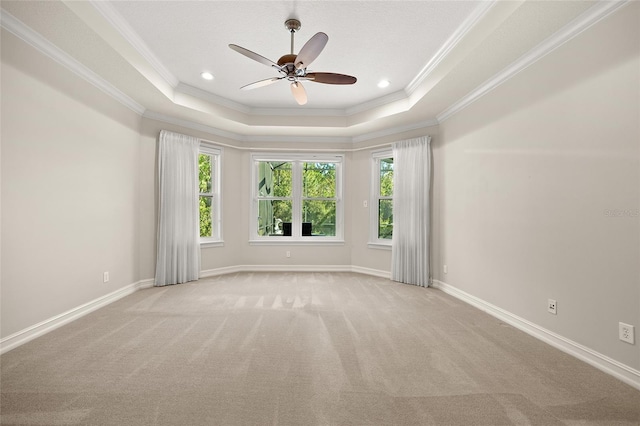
(602, 362)
(30, 333)
(148, 283)
(219, 271)
(369, 271)
(292, 268)
(21, 337)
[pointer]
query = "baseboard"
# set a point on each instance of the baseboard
(292, 268)
(373, 272)
(148, 283)
(30, 333)
(21, 337)
(602, 362)
(219, 271)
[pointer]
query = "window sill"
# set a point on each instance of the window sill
(296, 242)
(207, 244)
(380, 246)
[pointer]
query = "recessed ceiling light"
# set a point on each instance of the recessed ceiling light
(383, 83)
(207, 75)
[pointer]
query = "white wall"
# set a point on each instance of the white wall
(525, 178)
(69, 189)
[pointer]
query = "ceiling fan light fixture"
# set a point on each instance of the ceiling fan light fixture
(293, 67)
(299, 93)
(206, 75)
(383, 83)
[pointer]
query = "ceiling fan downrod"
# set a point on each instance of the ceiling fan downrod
(292, 25)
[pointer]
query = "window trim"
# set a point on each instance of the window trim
(216, 154)
(374, 241)
(297, 159)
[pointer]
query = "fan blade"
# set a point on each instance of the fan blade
(311, 50)
(330, 78)
(299, 93)
(261, 83)
(252, 55)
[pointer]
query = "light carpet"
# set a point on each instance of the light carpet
(301, 349)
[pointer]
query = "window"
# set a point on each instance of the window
(296, 198)
(382, 199)
(209, 188)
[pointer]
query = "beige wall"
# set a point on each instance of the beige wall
(234, 182)
(236, 195)
(235, 221)
(359, 174)
(69, 189)
(525, 177)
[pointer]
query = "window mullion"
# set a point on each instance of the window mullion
(296, 219)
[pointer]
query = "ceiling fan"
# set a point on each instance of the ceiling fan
(293, 67)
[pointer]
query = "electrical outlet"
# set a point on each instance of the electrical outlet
(365, 203)
(105, 277)
(444, 267)
(552, 307)
(625, 333)
(288, 253)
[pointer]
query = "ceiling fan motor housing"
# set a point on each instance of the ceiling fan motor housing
(286, 59)
(288, 67)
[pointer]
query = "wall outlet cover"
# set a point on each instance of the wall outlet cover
(626, 333)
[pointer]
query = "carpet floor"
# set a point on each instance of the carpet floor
(301, 349)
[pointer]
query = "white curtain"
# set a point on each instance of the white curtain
(178, 256)
(411, 204)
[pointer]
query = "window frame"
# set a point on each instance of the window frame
(297, 160)
(375, 197)
(215, 152)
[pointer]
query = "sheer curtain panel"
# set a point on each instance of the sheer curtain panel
(411, 204)
(178, 256)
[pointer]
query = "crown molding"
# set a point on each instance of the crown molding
(192, 125)
(348, 140)
(299, 139)
(395, 130)
(210, 97)
(34, 39)
(44, 46)
(245, 138)
(400, 95)
(581, 23)
(298, 112)
(116, 20)
(450, 44)
(288, 112)
(589, 18)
